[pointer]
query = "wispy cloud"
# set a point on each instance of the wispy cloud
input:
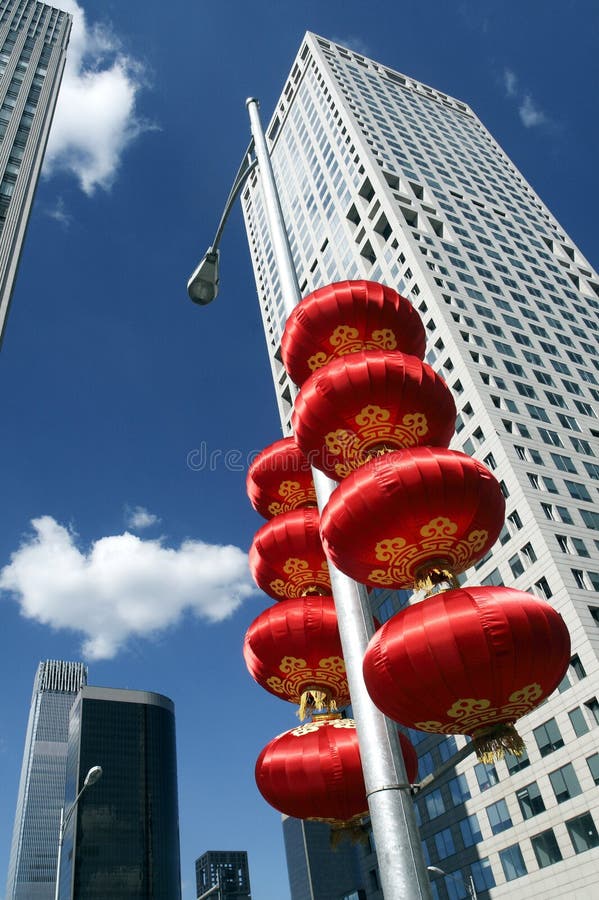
(353, 42)
(140, 518)
(59, 213)
(511, 83)
(96, 116)
(531, 115)
(121, 586)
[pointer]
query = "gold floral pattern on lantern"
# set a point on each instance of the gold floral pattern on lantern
(374, 430)
(293, 496)
(346, 339)
(437, 544)
(332, 720)
(469, 714)
(330, 673)
(302, 579)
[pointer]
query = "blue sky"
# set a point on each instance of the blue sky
(119, 542)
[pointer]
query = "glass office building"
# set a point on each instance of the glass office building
(227, 868)
(33, 42)
(122, 842)
(32, 866)
(382, 177)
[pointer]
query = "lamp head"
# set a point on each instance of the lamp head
(202, 287)
(94, 774)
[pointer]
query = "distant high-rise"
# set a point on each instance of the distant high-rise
(32, 867)
(33, 42)
(227, 868)
(317, 872)
(382, 177)
(122, 843)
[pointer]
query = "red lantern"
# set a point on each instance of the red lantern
(412, 516)
(280, 479)
(315, 771)
(286, 557)
(468, 661)
(344, 318)
(294, 651)
(368, 402)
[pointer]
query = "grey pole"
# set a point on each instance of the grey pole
(396, 836)
(94, 774)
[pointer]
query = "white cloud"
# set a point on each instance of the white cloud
(353, 42)
(121, 586)
(59, 213)
(140, 518)
(510, 82)
(95, 118)
(530, 114)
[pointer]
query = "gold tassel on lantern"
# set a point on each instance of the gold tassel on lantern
(315, 699)
(493, 743)
(430, 577)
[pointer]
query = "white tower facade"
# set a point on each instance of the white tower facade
(384, 178)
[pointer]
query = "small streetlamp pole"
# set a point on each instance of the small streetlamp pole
(396, 836)
(94, 774)
(459, 878)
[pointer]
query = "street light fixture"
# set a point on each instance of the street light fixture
(210, 891)
(94, 774)
(402, 867)
(460, 878)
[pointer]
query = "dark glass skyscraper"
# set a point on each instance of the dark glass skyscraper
(32, 867)
(227, 868)
(33, 41)
(122, 842)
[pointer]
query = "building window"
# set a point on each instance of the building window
(512, 862)
(444, 843)
(530, 800)
(471, 833)
(546, 848)
(578, 721)
(583, 833)
(593, 764)
(548, 737)
(434, 804)
(486, 775)
(516, 763)
(577, 491)
(482, 874)
(593, 706)
(459, 790)
(542, 588)
(499, 817)
(577, 667)
(564, 783)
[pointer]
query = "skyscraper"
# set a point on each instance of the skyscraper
(122, 842)
(382, 177)
(33, 42)
(32, 866)
(316, 872)
(227, 868)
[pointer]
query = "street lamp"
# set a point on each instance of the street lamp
(210, 891)
(460, 878)
(94, 774)
(402, 867)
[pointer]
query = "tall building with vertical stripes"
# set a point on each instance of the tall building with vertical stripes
(33, 42)
(32, 866)
(384, 178)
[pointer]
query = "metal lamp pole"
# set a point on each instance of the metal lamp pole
(397, 839)
(94, 774)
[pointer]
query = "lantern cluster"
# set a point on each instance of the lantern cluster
(409, 512)
(293, 650)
